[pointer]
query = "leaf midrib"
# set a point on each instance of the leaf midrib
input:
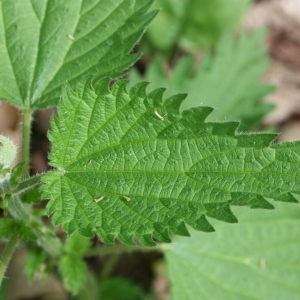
(29, 91)
(34, 81)
(184, 200)
(45, 92)
(9, 55)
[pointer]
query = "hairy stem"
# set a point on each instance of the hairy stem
(45, 236)
(118, 249)
(26, 130)
(7, 254)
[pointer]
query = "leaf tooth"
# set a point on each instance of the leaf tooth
(126, 238)
(161, 233)
(51, 207)
(71, 227)
(180, 230)
(261, 203)
(87, 231)
(224, 128)
(220, 211)
(101, 87)
(68, 92)
(146, 239)
(139, 90)
(107, 238)
(173, 103)
(155, 97)
(287, 197)
(201, 224)
(196, 115)
(86, 82)
(256, 139)
(251, 200)
(118, 87)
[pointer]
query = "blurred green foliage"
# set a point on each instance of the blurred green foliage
(193, 24)
(227, 79)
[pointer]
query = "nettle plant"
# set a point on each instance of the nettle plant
(127, 163)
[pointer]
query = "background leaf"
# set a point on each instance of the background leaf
(9, 227)
(128, 164)
(74, 273)
(193, 24)
(120, 289)
(45, 43)
(77, 244)
(257, 259)
(72, 267)
(33, 263)
(228, 79)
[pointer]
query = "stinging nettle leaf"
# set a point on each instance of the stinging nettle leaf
(129, 164)
(9, 227)
(194, 24)
(259, 259)
(43, 43)
(72, 268)
(33, 263)
(228, 79)
(77, 244)
(74, 273)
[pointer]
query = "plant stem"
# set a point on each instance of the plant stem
(11, 245)
(7, 254)
(45, 236)
(118, 249)
(26, 131)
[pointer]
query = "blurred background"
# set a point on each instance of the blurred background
(240, 57)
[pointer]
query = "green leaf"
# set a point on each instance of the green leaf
(33, 262)
(77, 244)
(72, 267)
(31, 196)
(129, 164)
(24, 213)
(9, 227)
(228, 79)
(194, 24)
(46, 43)
(258, 259)
(8, 152)
(90, 289)
(74, 272)
(120, 289)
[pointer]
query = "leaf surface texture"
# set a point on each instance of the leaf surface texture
(129, 164)
(227, 79)
(258, 259)
(43, 43)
